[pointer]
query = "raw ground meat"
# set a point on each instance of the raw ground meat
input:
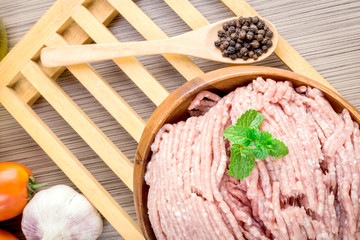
(311, 193)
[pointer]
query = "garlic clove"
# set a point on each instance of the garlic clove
(61, 213)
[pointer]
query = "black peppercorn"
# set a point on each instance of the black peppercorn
(249, 35)
(220, 33)
(231, 29)
(258, 51)
(225, 44)
(255, 19)
(233, 36)
(238, 46)
(269, 33)
(259, 37)
(242, 34)
(253, 28)
(261, 32)
(269, 43)
(244, 51)
(217, 43)
(261, 25)
(255, 44)
(232, 23)
(241, 20)
(233, 56)
(251, 54)
(264, 41)
(245, 57)
(231, 49)
(245, 37)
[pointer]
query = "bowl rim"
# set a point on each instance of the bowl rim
(189, 89)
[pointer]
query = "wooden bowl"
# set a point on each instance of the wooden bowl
(174, 108)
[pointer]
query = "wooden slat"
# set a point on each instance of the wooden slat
(103, 92)
(80, 122)
(103, 11)
(28, 46)
(284, 51)
(130, 65)
(25, 91)
(145, 26)
(70, 165)
(188, 13)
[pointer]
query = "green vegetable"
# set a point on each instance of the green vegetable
(242, 162)
(249, 143)
(3, 41)
(251, 119)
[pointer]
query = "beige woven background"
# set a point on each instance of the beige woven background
(325, 32)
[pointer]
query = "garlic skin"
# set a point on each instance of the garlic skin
(61, 213)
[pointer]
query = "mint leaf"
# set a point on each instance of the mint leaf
(246, 134)
(273, 146)
(251, 119)
(279, 149)
(241, 135)
(260, 152)
(242, 162)
(266, 138)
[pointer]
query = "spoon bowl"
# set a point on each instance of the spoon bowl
(197, 43)
(214, 53)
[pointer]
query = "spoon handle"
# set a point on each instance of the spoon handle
(197, 43)
(76, 54)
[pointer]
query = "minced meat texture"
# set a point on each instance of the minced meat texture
(311, 193)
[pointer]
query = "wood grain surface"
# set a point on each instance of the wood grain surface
(325, 32)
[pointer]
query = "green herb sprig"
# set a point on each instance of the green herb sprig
(249, 143)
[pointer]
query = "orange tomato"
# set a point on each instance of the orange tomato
(17, 184)
(4, 235)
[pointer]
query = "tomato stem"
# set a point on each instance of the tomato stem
(32, 186)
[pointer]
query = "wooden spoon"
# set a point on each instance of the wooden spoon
(198, 43)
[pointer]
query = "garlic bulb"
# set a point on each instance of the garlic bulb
(60, 213)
